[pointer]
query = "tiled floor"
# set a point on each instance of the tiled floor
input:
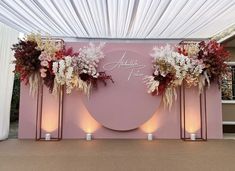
(117, 155)
(120, 155)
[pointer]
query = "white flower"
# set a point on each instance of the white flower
(67, 70)
(151, 83)
(69, 73)
(55, 67)
(68, 60)
(92, 52)
(156, 72)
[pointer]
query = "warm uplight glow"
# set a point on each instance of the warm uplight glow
(151, 125)
(192, 111)
(87, 123)
(192, 122)
(50, 112)
(50, 122)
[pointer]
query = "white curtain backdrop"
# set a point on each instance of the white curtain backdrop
(120, 18)
(8, 36)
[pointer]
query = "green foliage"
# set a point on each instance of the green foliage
(15, 101)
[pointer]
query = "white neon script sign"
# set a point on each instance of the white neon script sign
(135, 68)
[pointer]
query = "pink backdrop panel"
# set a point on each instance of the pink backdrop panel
(27, 115)
(123, 106)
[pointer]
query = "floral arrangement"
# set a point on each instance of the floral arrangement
(210, 59)
(226, 85)
(197, 64)
(80, 70)
(170, 68)
(213, 56)
(38, 58)
(193, 76)
(33, 59)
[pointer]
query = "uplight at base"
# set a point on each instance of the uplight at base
(88, 136)
(47, 136)
(150, 137)
(193, 137)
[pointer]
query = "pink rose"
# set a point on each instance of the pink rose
(44, 63)
(43, 72)
(42, 56)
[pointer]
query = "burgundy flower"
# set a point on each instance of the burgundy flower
(84, 76)
(213, 56)
(26, 59)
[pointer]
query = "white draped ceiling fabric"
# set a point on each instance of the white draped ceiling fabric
(143, 19)
(8, 36)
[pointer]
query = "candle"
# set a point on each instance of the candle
(150, 137)
(88, 136)
(47, 137)
(193, 137)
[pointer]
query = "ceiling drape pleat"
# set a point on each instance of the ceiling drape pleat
(147, 19)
